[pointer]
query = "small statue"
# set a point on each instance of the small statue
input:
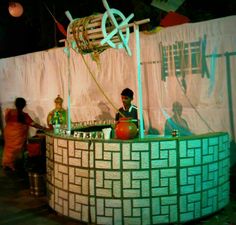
(58, 115)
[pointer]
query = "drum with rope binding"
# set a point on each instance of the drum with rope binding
(85, 34)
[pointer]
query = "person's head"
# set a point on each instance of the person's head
(177, 108)
(20, 103)
(127, 97)
(58, 102)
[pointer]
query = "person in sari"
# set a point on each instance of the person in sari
(16, 133)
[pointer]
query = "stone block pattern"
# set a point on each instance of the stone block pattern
(50, 170)
(155, 182)
(68, 177)
(204, 176)
(135, 183)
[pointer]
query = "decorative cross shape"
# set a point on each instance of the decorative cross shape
(124, 24)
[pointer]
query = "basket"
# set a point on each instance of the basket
(85, 34)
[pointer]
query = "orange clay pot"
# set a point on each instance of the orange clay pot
(126, 129)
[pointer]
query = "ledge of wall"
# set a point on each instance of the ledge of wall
(151, 181)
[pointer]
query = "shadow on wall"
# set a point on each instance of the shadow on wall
(177, 122)
(105, 112)
(152, 130)
(37, 116)
(40, 112)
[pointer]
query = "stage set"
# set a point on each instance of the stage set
(150, 181)
(160, 176)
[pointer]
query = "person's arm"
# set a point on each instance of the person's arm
(117, 116)
(37, 126)
(32, 123)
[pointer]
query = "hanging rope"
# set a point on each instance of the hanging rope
(83, 46)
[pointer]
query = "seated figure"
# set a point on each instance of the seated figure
(128, 110)
(58, 115)
(176, 122)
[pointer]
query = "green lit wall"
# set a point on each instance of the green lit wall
(142, 182)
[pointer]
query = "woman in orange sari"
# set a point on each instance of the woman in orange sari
(15, 133)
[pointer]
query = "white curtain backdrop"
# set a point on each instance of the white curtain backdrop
(209, 103)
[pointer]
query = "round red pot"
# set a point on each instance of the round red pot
(126, 129)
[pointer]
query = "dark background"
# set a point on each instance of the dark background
(36, 30)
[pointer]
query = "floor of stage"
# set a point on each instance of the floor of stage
(19, 207)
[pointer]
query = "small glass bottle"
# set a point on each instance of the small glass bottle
(175, 133)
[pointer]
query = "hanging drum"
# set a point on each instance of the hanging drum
(85, 34)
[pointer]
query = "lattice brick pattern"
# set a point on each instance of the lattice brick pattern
(150, 182)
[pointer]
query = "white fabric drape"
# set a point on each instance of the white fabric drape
(208, 103)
